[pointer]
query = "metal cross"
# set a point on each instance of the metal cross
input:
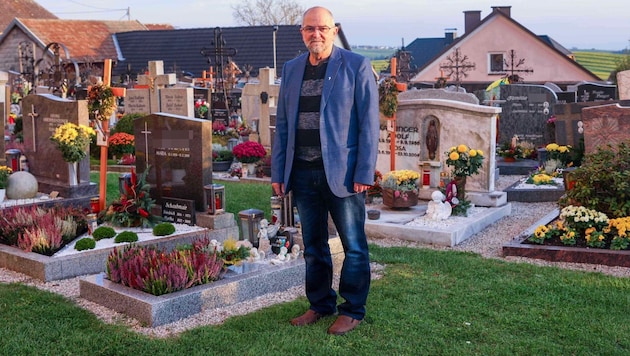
(33, 116)
(514, 66)
(457, 65)
(146, 133)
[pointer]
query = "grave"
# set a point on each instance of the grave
(177, 101)
(43, 113)
(155, 80)
(454, 118)
(568, 125)
(605, 124)
(159, 310)
(179, 152)
(137, 101)
(623, 84)
(525, 112)
(586, 91)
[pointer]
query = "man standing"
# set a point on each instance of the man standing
(325, 148)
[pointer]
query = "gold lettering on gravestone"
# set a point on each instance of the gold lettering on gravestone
(407, 141)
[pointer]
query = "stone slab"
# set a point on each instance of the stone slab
(534, 195)
(51, 268)
(392, 223)
(520, 167)
(516, 247)
(159, 310)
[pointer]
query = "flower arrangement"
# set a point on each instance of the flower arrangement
(201, 109)
(101, 102)
(243, 129)
(401, 181)
(121, 143)
(464, 162)
(73, 141)
(540, 178)
(249, 152)
(5, 172)
(218, 128)
(233, 252)
(558, 152)
(134, 206)
(388, 97)
(376, 189)
(222, 155)
(578, 225)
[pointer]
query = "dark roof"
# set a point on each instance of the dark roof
(424, 49)
(181, 48)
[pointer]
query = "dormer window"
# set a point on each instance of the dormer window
(495, 63)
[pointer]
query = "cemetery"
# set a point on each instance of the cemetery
(441, 154)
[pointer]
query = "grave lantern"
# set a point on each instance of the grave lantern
(250, 224)
(12, 157)
(214, 198)
(231, 143)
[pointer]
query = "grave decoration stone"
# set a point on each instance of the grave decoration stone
(427, 125)
(178, 151)
(525, 112)
(43, 113)
(586, 91)
(605, 124)
(177, 101)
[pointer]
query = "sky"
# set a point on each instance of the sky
(575, 24)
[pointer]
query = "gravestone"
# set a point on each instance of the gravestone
(426, 116)
(178, 150)
(593, 92)
(154, 81)
(569, 127)
(219, 108)
(202, 95)
(177, 101)
(137, 101)
(525, 112)
(623, 83)
(605, 124)
(43, 113)
(259, 101)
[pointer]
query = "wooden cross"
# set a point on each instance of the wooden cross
(267, 91)
(457, 65)
(156, 79)
(440, 82)
(391, 122)
(514, 66)
(207, 77)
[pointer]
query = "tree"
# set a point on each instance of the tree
(268, 12)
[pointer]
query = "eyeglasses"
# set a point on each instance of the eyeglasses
(311, 29)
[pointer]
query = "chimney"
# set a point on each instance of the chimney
(505, 10)
(472, 18)
(449, 35)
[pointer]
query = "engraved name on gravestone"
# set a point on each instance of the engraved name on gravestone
(177, 101)
(137, 101)
(179, 153)
(593, 92)
(525, 112)
(43, 113)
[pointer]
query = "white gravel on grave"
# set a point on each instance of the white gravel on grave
(558, 183)
(144, 234)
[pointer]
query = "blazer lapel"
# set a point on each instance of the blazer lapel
(334, 63)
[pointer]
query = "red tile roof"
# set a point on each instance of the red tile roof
(83, 38)
(10, 9)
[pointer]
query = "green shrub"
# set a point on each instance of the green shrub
(602, 182)
(86, 243)
(222, 155)
(126, 236)
(103, 232)
(125, 124)
(163, 229)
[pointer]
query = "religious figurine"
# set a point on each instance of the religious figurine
(432, 139)
(437, 208)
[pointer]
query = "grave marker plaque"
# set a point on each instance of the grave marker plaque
(525, 111)
(177, 101)
(179, 152)
(137, 101)
(594, 92)
(178, 211)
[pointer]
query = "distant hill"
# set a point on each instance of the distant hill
(599, 62)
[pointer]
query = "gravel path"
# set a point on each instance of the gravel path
(488, 243)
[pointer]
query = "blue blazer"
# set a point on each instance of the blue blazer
(349, 121)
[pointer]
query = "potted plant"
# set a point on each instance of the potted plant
(221, 160)
(134, 207)
(73, 141)
(464, 162)
(249, 152)
(400, 188)
(5, 172)
(509, 152)
(122, 144)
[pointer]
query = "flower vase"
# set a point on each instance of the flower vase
(72, 173)
(399, 200)
(251, 169)
(509, 159)
(3, 193)
(460, 183)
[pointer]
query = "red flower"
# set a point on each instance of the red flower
(249, 152)
(143, 213)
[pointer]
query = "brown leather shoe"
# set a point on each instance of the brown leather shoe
(307, 318)
(343, 324)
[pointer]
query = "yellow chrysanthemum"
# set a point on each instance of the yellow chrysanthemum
(462, 148)
(472, 153)
(453, 156)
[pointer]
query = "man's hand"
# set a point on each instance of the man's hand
(278, 189)
(360, 188)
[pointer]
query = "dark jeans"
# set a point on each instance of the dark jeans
(314, 201)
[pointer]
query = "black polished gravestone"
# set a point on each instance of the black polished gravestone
(593, 92)
(525, 111)
(178, 151)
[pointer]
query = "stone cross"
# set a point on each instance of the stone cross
(155, 80)
(264, 96)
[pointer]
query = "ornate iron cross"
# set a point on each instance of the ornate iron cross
(457, 66)
(514, 66)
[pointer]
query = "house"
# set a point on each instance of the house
(10, 9)
(494, 48)
(249, 47)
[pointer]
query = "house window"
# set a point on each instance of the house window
(496, 63)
